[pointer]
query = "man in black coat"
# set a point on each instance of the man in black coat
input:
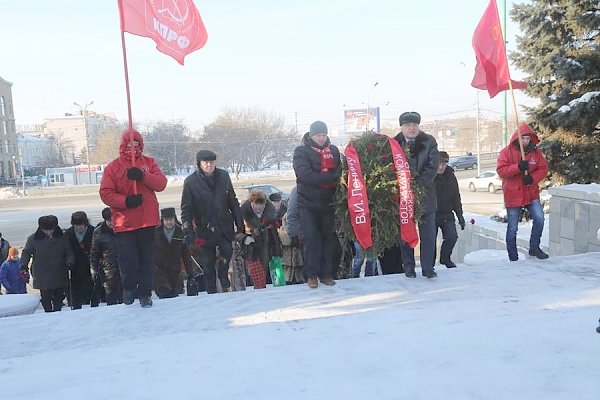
(317, 167)
(79, 236)
(423, 160)
(209, 210)
(104, 263)
(448, 204)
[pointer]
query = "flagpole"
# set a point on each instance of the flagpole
(512, 94)
(126, 70)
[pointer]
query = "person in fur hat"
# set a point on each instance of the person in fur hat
(79, 236)
(130, 192)
(51, 257)
(171, 253)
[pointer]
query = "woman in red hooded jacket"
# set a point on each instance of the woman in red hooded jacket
(134, 214)
(520, 185)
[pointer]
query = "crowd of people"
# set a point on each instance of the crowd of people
(220, 245)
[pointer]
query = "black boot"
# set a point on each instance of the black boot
(145, 301)
(537, 252)
(598, 328)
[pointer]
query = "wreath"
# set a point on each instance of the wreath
(382, 189)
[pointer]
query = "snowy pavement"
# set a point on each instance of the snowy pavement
(488, 330)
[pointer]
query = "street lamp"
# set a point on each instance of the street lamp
(84, 111)
(369, 106)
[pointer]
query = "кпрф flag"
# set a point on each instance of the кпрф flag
(491, 72)
(174, 25)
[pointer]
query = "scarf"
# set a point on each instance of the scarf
(327, 161)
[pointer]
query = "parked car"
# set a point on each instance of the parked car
(488, 180)
(463, 162)
(265, 188)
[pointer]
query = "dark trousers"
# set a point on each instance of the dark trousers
(52, 299)
(318, 231)
(427, 237)
(207, 258)
(136, 260)
(449, 238)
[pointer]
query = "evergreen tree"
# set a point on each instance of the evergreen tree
(560, 52)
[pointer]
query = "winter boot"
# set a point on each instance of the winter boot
(598, 328)
(449, 264)
(327, 281)
(145, 301)
(430, 275)
(410, 274)
(537, 252)
(313, 283)
(128, 297)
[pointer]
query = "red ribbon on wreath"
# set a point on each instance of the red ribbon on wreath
(406, 203)
(358, 202)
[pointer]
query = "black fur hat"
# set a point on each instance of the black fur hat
(48, 222)
(168, 213)
(79, 218)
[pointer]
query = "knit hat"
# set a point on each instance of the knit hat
(410, 117)
(206, 155)
(79, 218)
(317, 127)
(106, 214)
(443, 156)
(48, 222)
(168, 213)
(12, 252)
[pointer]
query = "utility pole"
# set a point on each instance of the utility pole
(369, 107)
(84, 111)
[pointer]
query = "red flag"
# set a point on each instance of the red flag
(174, 25)
(491, 72)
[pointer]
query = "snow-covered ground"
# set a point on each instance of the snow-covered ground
(489, 329)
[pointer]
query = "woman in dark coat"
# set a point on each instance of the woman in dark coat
(79, 236)
(51, 257)
(260, 220)
(103, 261)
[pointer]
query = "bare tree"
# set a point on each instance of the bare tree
(249, 138)
(106, 147)
(171, 144)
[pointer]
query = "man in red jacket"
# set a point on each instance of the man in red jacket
(134, 214)
(520, 184)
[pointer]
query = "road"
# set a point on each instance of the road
(18, 217)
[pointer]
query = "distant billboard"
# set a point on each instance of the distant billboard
(360, 120)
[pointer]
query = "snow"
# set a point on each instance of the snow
(489, 329)
(585, 98)
(10, 193)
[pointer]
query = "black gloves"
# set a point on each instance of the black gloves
(189, 237)
(527, 180)
(133, 200)
(523, 165)
(135, 174)
(461, 222)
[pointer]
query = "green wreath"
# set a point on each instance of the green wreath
(381, 183)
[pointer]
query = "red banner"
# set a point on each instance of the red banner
(406, 204)
(491, 72)
(358, 202)
(175, 26)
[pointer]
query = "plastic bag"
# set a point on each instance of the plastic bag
(277, 272)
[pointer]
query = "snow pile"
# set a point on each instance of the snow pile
(10, 193)
(497, 331)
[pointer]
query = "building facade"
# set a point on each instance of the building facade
(37, 151)
(8, 136)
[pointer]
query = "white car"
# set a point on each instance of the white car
(488, 180)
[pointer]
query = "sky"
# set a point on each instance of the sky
(302, 60)
(489, 329)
